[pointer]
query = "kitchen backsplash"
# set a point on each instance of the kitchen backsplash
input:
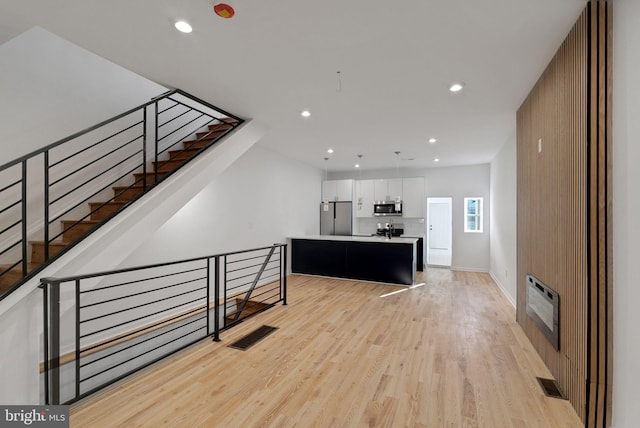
(369, 226)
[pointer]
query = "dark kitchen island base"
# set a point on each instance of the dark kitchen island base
(369, 259)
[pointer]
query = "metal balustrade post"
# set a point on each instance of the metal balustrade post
(24, 218)
(46, 205)
(155, 155)
(216, 299)
(77, 308)
(52, 345)
(144, 148)
(45, 335)
(284, 274)
(208, 299)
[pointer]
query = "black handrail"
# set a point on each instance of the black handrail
(127, 319)
(80, 170)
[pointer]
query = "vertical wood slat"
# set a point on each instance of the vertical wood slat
(563, 205)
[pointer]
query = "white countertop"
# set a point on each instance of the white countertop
(379, 239)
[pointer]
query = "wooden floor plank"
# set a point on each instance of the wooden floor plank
(448, 353)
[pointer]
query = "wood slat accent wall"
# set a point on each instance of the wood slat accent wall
(564, 201)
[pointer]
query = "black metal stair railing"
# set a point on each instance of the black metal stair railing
(101, 327)
(53, 197)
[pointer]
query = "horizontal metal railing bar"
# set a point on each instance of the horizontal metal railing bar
(121, 284)
(195, 108)
(124, 270)
(153, 302)
(178, 129)
(237, 286)
(140, 355)
(10, 247)
(19, 181)
(135, 333)
(102, 302)
(199, 139)
(272, 286)
(53, 183)
(203, 102)
(168, 108)
(160, 125)
(272, 261)
(91, 196)
(11, 226)
(88, 363)
(244, 268)
(130, 372)
(93, 145)
(260, 256)
(11, 267)
(235, 278)
(266, 300)
(18, 202)
(111, 327)
(96, 176)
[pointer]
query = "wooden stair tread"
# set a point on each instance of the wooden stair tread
(87, 222)
(51, 244)
(112, 203)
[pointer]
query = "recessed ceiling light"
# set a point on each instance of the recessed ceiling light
(357, 165)
(330, 151)
(436, 160)
(432, 140)
(305, 113)
(183, 27)
(456, 87)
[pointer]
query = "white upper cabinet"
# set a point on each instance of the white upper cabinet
(413, 203)
(395, 189)
(409, 190)
(337, 190)
(364, 198)
(388, 189)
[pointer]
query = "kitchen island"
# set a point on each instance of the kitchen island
(369, 258)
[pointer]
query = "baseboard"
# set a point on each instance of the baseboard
(503, 289)
(468, 269)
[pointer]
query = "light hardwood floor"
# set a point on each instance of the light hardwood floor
(445, 354)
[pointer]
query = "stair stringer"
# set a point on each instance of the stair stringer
(103, 250)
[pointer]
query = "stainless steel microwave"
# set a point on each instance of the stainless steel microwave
(387, 208)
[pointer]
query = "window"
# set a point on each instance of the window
(473, 214)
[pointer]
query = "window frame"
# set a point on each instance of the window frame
(478, 215)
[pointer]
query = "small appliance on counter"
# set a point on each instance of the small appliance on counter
(387, 208)
(390, 229)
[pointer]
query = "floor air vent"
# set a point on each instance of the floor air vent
(550, 388)
(252, 338)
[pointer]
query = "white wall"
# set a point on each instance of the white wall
(52, 88)
(626, 206)
(503, 255)
(470, 250)
(260, 200)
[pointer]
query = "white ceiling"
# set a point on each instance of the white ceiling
(274, 59)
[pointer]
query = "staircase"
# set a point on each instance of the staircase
(250, 308)
(74, 230)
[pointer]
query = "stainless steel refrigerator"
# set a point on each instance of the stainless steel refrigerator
(335, 218)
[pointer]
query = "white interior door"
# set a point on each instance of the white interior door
(439, 231)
